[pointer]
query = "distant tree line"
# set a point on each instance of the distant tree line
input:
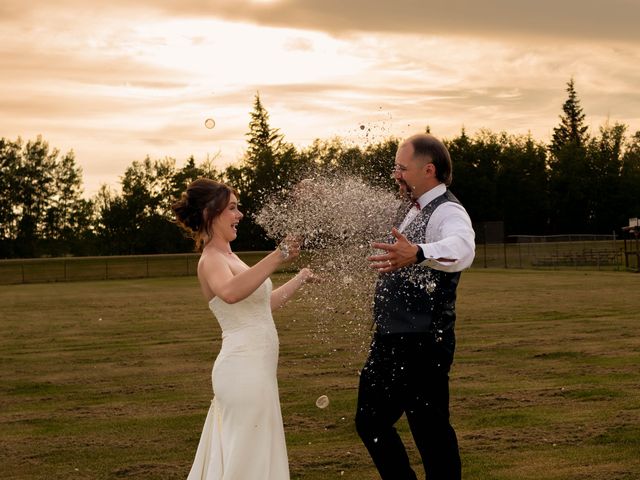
(579, 183)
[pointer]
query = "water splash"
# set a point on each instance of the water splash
(337, 217)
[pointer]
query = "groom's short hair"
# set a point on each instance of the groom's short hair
(429, 148)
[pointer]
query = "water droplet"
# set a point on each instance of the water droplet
(322, 401)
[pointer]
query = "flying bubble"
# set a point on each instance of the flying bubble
(322, 401)
(209, 123)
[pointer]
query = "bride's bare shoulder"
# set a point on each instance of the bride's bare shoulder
(211, 261)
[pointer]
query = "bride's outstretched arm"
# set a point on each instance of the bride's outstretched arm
(232, 288)
(282, 294)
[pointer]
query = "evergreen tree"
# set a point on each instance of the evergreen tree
(570, 175)
(260, 175)
(572, 129)
(265, 145)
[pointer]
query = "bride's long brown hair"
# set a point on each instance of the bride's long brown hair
(202, 202)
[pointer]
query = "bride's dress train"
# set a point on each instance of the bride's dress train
(243, 436)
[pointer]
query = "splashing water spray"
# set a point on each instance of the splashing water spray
(337, 217)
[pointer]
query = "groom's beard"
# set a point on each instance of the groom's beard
(405, 190)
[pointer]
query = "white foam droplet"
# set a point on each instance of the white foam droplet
(322, 401)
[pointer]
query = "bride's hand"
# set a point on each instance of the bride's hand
(289, 248)
(307, 276)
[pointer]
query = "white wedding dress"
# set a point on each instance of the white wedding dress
(243, 436)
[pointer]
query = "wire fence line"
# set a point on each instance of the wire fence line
(588, 255)
(68, 269)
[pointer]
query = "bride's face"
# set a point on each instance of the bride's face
(226, 224)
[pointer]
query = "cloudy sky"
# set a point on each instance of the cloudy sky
(117, 81)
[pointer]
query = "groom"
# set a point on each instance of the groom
(414, 312)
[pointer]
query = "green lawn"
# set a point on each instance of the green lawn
(111, 379)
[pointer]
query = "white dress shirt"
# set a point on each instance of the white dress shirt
(449, 233)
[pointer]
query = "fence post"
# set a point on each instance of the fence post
(520, 255)
(504, 246)
(106, 268)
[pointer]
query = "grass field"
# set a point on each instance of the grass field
(111, 379)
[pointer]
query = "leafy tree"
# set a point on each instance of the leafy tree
(43, 210)
(630, 180)
(379, 159)
(190, 172)
(336, 156)
(604, 155)
(36, 186)
(68, 217)
(10, 160)
(501, 177)
(475, 167)
(522, 185)
(139, 220)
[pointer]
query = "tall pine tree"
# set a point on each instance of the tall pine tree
(570, 176)
(572, 130)
(259, 175)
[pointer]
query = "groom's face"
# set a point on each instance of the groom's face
(409, 173)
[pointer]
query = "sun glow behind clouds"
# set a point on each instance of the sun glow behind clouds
(221, 54)
(123, 81)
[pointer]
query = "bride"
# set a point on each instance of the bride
(243, 435)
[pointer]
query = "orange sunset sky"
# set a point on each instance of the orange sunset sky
(117, 81)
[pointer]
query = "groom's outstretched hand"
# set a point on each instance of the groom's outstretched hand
(397, 255)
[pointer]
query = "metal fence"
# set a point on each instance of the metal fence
(588, 255)
(70, 269)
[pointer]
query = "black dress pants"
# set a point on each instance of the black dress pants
(407, 373)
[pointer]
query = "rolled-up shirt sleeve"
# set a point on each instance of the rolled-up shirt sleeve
(449, 239)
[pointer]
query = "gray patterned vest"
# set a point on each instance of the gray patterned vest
(418, 299)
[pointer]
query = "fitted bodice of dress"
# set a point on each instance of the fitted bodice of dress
(247, 323)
